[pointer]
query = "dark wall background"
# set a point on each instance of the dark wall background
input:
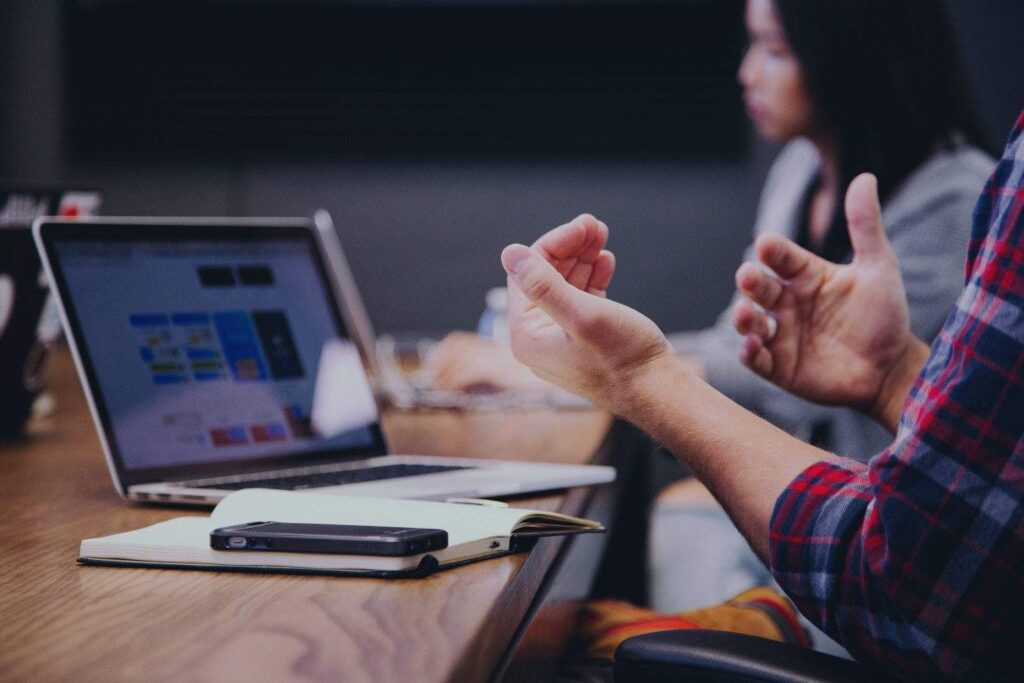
(424, 235)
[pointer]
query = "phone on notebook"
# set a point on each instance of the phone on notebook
(339, 539)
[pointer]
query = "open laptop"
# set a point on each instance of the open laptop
(215, 357)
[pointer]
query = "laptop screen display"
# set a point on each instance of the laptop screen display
(214, 351)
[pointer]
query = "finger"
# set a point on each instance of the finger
(459, 337)
(784, 257)
(601, 277)
(449, 377)
(584, 236)
(748, 320)
(542, 286)
(756, 357)
(758, 284)
(864, 218)
(574, 248)
(450, 349)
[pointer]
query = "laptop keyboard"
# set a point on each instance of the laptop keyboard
(335, 478)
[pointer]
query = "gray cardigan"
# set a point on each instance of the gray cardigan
(927, 220)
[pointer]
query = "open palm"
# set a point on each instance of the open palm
(838, 330)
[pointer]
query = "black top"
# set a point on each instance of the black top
(836, 246)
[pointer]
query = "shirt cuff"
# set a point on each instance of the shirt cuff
(813, 524)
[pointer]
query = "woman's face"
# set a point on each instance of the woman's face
(773, 83)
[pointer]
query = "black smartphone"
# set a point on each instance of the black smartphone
(341, 539)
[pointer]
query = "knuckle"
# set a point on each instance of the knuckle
(765, 289)
(778, 253)
(744, 310)
(537, 288)
(742, 277)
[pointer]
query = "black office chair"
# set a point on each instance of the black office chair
(716, 656)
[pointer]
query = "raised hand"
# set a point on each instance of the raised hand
(834, 334)
(577, 251)
(561, 323)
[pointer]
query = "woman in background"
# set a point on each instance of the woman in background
(848, 86)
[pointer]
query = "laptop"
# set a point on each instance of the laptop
(214, 356)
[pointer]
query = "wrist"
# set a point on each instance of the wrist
(888, 404)
(645, 388)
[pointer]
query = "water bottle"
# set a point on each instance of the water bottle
(494, 320)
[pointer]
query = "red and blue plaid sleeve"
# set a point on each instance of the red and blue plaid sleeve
(915, 561)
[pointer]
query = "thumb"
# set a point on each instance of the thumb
(864, 218)
(544, 287)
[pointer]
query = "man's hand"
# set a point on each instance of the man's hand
(833, 334)
(563, 326)
(569, 333)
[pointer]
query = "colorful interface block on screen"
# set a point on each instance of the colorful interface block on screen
(207, 351)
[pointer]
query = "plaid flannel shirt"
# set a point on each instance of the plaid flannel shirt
(915, 561)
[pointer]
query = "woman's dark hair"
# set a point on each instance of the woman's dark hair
(888, 83)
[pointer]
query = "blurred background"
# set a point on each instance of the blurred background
(435, 132)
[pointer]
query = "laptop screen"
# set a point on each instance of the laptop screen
(208, 350)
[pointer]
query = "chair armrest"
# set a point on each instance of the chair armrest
(700, 655)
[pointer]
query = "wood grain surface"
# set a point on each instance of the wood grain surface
(61, 621)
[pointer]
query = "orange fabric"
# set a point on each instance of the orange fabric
(757, 612)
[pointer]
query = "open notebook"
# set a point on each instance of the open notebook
(474, 532)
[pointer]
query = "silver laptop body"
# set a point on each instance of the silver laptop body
(215, 356)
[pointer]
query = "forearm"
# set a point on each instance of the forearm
(743, 460)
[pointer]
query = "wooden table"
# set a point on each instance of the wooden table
(62, 621)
